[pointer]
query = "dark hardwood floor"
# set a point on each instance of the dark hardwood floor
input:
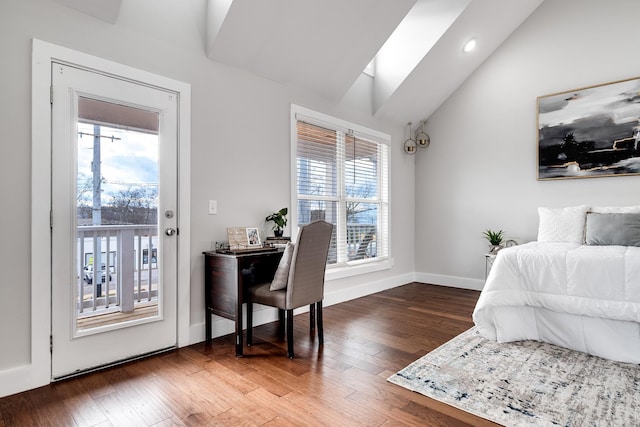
(342, 383)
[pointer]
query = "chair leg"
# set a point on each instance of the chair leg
(290, 334)
(320, 326)
(281, 323)
(312, 318)
(249, 323)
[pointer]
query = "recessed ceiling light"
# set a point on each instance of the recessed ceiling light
(469, 46)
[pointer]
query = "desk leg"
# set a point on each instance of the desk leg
(207, 326)
(249, 323)
(239, 328)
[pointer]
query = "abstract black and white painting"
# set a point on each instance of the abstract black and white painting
(590, 132)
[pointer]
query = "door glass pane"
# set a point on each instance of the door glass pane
(116, 214)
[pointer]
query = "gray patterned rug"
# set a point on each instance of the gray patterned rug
(526, 383)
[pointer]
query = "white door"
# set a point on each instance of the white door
(114, 219)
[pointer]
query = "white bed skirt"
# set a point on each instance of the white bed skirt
(611, 339)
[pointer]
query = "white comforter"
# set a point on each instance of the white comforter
(558, 292)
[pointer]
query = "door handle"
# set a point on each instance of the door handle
(170, 231)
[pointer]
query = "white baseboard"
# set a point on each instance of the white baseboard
(21, 378)
(262, 315)
(451, 281)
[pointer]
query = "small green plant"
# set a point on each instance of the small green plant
(279, 219)
(494, 237)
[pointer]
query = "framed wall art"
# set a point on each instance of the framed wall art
(590, 132)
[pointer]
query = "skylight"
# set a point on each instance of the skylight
(418, 32)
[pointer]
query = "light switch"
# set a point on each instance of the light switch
(213, 207)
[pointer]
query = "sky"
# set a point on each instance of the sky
(129, 162)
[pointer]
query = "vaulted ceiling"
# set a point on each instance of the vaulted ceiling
(324, 45)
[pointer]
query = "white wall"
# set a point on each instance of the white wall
(240, 143)
(480, 171)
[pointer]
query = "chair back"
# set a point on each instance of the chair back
(309, 261)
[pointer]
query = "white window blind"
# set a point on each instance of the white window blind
(342, 178)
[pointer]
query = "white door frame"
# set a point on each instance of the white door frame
(38, 373)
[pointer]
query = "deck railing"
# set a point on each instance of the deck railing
(127, 276)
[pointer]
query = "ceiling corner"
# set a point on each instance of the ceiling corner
(217, 11)
(107, 10)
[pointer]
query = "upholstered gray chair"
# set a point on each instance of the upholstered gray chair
(304, 282)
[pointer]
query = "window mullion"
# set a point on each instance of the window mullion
(341, 232)
(383, 197)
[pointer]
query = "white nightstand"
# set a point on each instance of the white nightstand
(488, 263)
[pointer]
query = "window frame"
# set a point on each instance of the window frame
(346, 268)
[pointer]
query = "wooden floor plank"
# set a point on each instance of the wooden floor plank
(49, 411)
(119, 411)
(18, 410)
(79, 403)
(340, 383)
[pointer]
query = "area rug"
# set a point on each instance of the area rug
(526, 383)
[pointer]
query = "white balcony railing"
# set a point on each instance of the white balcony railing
(128, 273)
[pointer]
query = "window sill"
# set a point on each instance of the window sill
(355, 269)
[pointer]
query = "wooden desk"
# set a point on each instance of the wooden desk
(227, 276)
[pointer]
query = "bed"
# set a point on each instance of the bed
(577, 286)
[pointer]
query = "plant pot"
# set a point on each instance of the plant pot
(277, 233)
(493, 249)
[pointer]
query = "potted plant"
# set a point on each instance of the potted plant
(495, 240)
(279, 221)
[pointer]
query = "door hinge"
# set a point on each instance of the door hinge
(51, 94)
(51, 343)
(51, 219)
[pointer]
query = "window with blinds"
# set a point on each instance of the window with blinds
(342, 178)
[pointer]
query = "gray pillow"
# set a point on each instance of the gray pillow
(613, 229)
(281, 277)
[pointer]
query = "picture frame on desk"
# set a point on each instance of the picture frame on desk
(253, 237)
(237, 237)
(243, 238)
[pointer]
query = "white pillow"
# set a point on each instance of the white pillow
(562, 224)
(615, 209)
(281, 277)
